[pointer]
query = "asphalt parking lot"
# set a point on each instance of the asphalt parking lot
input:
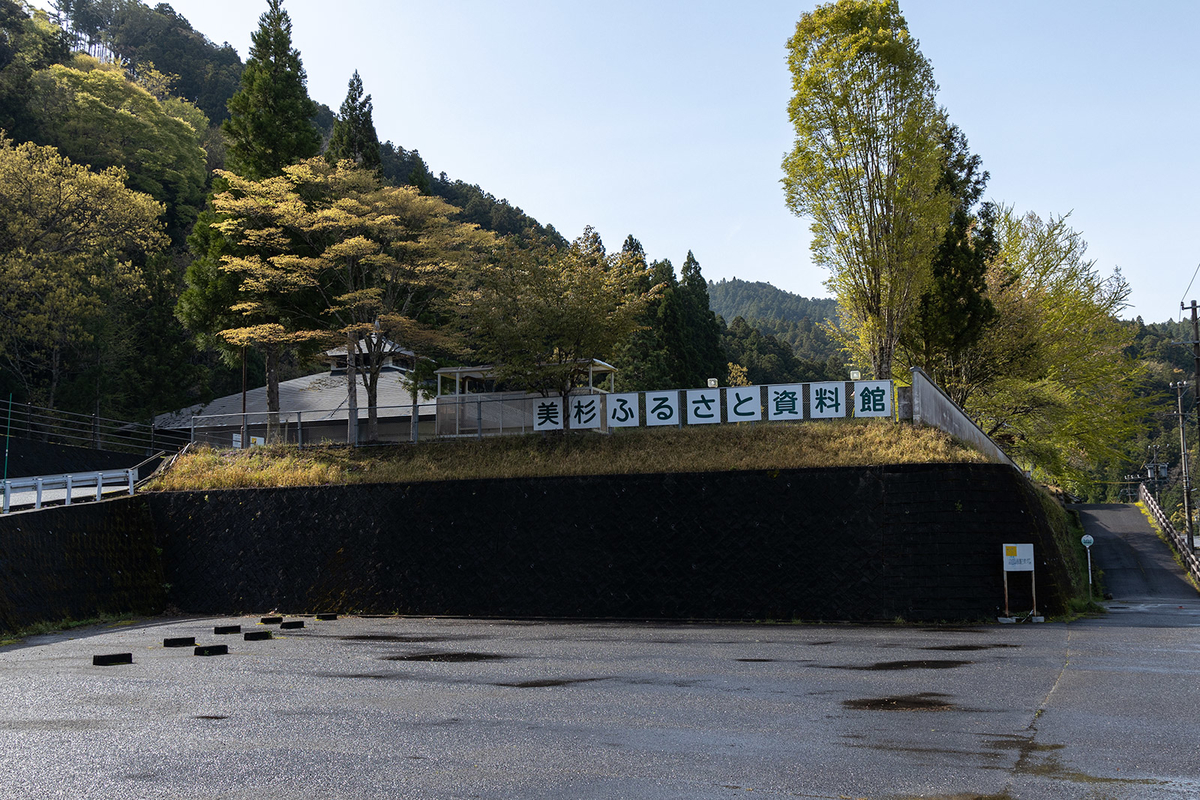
(415, 708)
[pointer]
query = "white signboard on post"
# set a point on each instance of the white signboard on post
(585, 411)
(873, 399)
(704, 406)
(1018, 558)
(827, 400)
(662, 408)
(622, 410)
(743, 404)
(785, 401)
(547, 414)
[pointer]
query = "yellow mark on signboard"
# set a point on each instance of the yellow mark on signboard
(1010, 550)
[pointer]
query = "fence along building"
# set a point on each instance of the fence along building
(468, 403)
(312, 409)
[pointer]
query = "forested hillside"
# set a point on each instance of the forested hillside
(125, 86)
(790, 318)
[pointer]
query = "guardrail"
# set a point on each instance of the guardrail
(68, 483)
(1178, 540)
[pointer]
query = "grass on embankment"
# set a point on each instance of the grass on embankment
(634, 451)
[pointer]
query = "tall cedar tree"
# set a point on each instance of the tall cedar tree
(354, 136)
(704, 358)
(270, 119)
(955, 310)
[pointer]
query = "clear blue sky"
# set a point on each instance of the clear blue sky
(667, 119)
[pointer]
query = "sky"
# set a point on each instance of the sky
(667, 119)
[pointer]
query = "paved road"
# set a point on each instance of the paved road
(1139, 569)
(443, 708)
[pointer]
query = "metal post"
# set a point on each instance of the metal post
(38, 502)
(7, 435)
(479, 419)
(131, 474)
(299, 430)
(1033, 580)
(70, 489)
(245, 431)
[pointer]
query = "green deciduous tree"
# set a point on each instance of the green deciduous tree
(70, 242)
(95, 115)
(270, 119)
(354, 138)
(1051, 379)
(327, 252)
(541, 317)
(866, 165)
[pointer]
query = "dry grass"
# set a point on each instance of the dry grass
(643, 450)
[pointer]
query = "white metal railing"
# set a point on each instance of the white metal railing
(42, 484)
(1178, 540)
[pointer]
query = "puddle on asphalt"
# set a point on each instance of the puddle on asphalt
(893, 666)
(210, 716)
(392, 637)
(755, 660)
(447, 658)
(1049, 766)
(547, 682)
(925, 701)
(969, 647)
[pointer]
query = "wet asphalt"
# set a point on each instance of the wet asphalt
(450, 708)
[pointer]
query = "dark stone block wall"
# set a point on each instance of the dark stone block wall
(78, 562)
(922, 542)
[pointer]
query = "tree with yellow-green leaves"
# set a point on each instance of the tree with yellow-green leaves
(70, 240)
(1050, 379)
(327, 252)
(866, 165)
(541, 317)
(95, 115)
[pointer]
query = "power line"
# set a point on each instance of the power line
(1185, 291)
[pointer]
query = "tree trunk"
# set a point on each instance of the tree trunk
(352, 393)
(372, 382)
(272, 359)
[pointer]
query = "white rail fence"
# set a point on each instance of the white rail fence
(66, 488)
(1177, 539)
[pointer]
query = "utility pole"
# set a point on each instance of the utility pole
(1196, 374)
(1187, 484)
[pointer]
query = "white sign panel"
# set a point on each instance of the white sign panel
(826, 400)
(704, 406)
(585, 411)
(547, 414)
(1018, 558)
(622, 409)
(785, 401)
(662, 408)
(743, 404)
(873, 399)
